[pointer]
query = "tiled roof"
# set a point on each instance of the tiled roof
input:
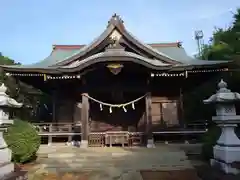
(154, 45)
(61, 52)
(160, 53)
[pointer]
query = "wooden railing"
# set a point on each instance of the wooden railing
(198, 125)
(69, 130)
(58, 129)
(123, 138)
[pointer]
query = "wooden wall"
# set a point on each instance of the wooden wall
(165, 112)
(102, 85)
(64, 111)
(117, 120)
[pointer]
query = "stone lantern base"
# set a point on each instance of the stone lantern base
(7, 168)
(224, 156)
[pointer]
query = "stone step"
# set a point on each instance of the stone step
(116, 162)
(146, 159)
(69, 155)
(120, 165)
(118, 155)
(77, 168)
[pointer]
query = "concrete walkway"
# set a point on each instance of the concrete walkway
(110, 163)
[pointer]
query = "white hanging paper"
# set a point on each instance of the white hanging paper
(125, 110)
(133, 106)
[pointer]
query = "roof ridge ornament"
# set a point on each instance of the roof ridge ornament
(116, 20)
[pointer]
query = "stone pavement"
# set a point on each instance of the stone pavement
(109, 163)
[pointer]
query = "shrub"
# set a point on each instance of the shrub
(23, 140)
(209, 140)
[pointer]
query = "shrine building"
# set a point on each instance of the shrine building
(117, 84)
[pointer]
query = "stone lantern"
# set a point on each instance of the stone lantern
(6, 167)
(227, 149)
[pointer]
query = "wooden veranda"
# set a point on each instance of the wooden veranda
(123, 138)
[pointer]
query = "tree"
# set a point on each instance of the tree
(12, 86)
(4, 60)
(223, 45)
(19, 91)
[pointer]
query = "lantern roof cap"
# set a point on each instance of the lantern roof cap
(223, 95)
(5, 100)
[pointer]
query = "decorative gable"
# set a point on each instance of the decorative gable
(116, 33)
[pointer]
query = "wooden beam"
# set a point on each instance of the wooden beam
(132, 47)
(110, 88)
(85, 120)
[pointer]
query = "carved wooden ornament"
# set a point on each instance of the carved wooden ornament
(115, 68)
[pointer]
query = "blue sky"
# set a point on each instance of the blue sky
(29, 28)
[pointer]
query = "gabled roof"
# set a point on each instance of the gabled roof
(116, 26)
(160, 55)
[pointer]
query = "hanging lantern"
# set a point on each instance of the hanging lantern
(125, 110)
(110, 109)
(101, 108)
(133, 106)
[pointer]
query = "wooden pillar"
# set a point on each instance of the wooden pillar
(54, 119)
(149, 134)
(50, 136)
(181, 110)
(54, 98)
(84, 120)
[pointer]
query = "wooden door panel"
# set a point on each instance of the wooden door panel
(156, 109)
(170, 113)
(156, 113)
(156, 120)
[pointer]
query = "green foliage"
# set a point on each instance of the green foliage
(194, 108)
(209, 140)
(21, 92)
(10, 82)
(225, 43)
(23, 140)
(7, 61)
